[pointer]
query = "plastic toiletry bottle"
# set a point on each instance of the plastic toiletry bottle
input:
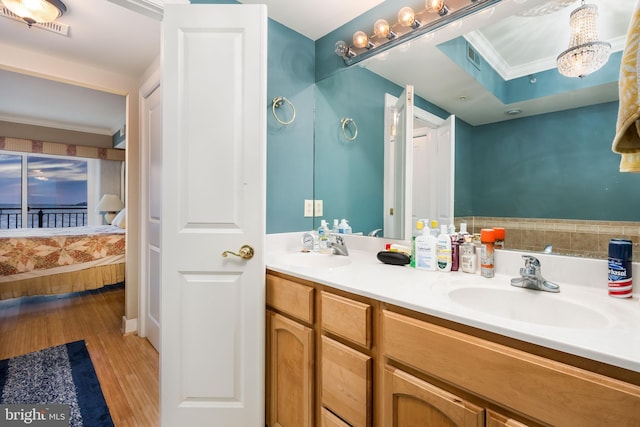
(500, 234)
(323, 237)
(468, 260)
(463, 230)
(425, 244)
(435, 231)
(487, 238)
(455, 249)
(478, 244)
(344, 227)
(334, 229)
(443, 250)
(417, 231)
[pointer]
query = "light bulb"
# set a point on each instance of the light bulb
(436, 6)
(381, 29)
(406, 17)
(340, 48)
(360, 39)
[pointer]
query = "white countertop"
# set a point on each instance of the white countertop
(592, 324)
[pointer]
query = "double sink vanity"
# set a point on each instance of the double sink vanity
(354, 342)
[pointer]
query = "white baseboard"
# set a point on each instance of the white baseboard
(129, 326)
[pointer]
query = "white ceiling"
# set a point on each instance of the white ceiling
(108, 36)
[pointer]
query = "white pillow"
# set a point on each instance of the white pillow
(121, 219)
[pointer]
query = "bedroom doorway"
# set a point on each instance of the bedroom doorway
(151, 208)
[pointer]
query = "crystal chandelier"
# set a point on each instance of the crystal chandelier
(586, 53)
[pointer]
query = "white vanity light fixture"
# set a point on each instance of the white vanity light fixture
(586, 53)
(409, 25)
(36, 12)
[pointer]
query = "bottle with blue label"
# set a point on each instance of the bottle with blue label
(425, 250)
(344, 227)
(620, 283)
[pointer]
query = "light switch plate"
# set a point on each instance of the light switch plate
(308, 208)
(317, 209)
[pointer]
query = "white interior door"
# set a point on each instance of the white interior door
(399, 171)
(445, 155)
(151, 209)
(213, 200)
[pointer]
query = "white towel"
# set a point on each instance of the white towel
(627, 139)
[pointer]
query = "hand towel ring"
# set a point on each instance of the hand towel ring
(278, 102)
(345, 124)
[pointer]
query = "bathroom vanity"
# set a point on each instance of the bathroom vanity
(353, 342)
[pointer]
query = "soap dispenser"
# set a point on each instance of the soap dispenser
(425, 250)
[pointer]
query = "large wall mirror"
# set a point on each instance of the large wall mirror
(530, 143)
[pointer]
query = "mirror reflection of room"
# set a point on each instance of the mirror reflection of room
(532, 146)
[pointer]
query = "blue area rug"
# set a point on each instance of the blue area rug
(57, 375)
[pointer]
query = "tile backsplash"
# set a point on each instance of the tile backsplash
(583, 238)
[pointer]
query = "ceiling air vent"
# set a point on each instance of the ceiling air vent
(473, 56)
(54, 27)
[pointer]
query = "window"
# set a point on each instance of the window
(42, 191)
(10, 191)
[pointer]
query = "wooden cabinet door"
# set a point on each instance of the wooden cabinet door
(410, 401)
(290, 373)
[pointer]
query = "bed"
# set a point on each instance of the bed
(45, 261)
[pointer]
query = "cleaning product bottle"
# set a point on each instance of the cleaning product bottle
(425, 249)
(334, 229)
(323, 237)
(443, 250)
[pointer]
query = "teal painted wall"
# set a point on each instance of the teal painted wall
(291, 73)
(557, 165)
(349, 175)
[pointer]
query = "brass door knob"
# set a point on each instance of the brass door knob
(245, 252)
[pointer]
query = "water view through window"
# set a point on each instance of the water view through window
(56, 191)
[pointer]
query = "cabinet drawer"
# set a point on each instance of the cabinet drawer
(346, 318)
(518, 380)
(346, 382)
(328, 419)
(290, 297)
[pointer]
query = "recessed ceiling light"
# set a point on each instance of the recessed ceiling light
(513, 112)
(462, 98)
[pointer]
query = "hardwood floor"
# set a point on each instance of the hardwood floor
(127, 366)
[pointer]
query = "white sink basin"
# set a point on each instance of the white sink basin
(314, 260)
(525, 305)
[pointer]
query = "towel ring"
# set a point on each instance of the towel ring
(278, 102)
(345, 125)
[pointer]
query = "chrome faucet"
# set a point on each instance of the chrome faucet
(375, 233)
(531, 277)
(337, 245)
